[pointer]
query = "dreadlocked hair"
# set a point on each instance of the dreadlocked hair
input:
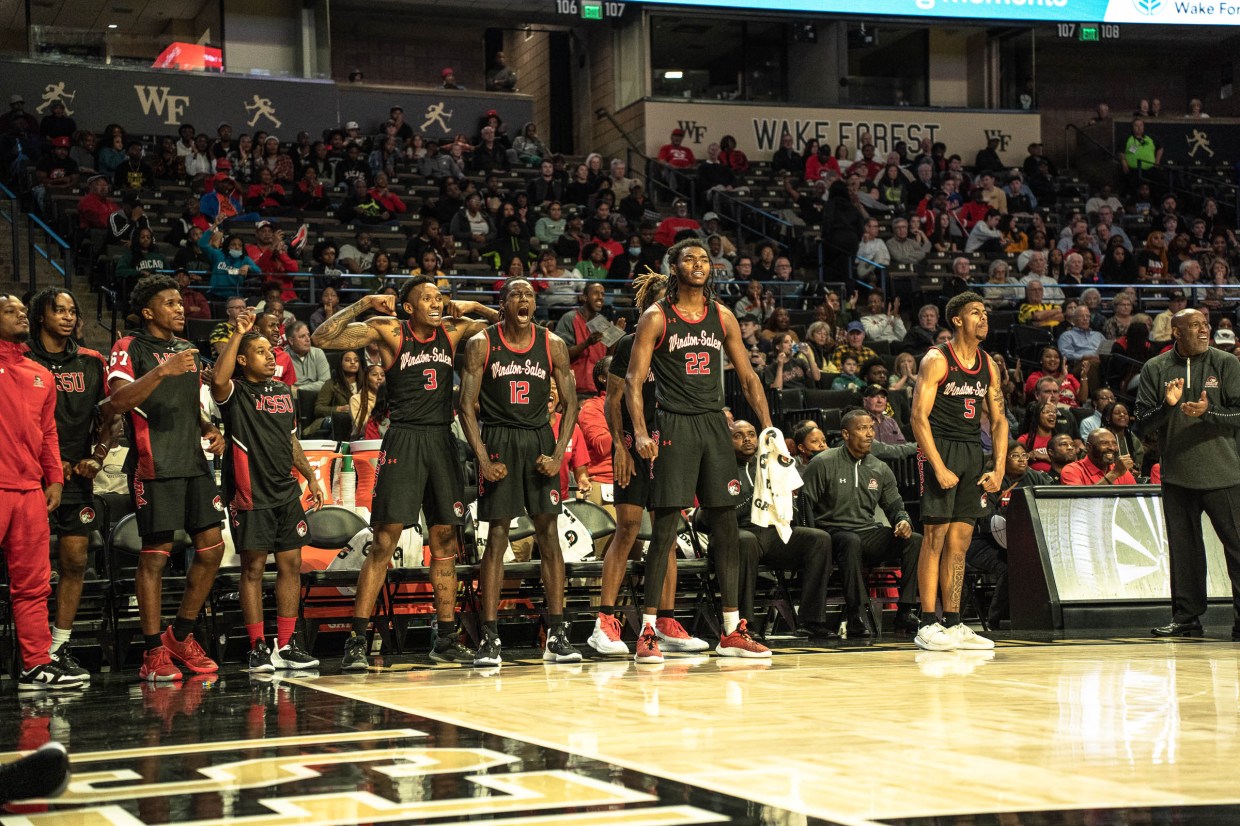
(45, 298)
(648, 285)
(149, 287)
(673, 278)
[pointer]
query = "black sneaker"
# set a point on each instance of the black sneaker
(908, 622)
(47, 677)
(68, 663)
(451, 650)
(354, 654)
(260, 659)
(559, 649)
(43, 774)
(293, 657)
(488, 651)
(857, 629)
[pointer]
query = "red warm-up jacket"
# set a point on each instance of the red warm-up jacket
(31, 454)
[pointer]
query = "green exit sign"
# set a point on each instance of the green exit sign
(592, 10)
(1089, 33)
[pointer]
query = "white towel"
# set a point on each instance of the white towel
(773, 489)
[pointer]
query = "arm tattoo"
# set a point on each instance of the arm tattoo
(301, 463)
(339, 333)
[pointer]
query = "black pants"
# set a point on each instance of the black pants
(808, 550)
(986, 557)
(857, 550)
(1182, 508)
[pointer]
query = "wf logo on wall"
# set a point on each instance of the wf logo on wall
(998, 135)
(156, 100)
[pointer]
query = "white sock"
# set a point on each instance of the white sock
(59, 638)
(649, 619)
(731, 619)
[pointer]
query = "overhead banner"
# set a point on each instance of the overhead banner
(1164, 12)
(1189, 141)
(758, 128)
(156, 102)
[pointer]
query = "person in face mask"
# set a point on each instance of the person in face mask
(229, 264)
(633, 262)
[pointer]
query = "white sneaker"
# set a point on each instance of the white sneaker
(966, 639)
(673, 637)
(606, 637)
(935, 638)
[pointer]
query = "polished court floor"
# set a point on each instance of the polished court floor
(1086, 731)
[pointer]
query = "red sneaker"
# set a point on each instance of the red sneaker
(189, 653)
(157, 667)
(740, 644)
(606, 636)
(648, 647)
(674, 637)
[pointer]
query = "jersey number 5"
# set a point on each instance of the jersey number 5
(970, 408)
(697, 364)
(518, 392)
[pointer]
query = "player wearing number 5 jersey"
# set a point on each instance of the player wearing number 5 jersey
(418, 465)
(957, 382)
(506, 385)
(682, 339)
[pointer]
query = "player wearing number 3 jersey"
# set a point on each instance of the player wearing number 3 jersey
(506, 384)
(956, 384)
(419, 470)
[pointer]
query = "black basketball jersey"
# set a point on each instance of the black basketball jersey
(259, 422)
(164, 432)
(957, 412)
(619, 367)
(516, 384)
(688, 361)
(419, 382)
(81, 383)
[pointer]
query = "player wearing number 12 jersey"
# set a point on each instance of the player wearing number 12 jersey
(683, 339)
(957, 382)
(418, 470)
(506, 384)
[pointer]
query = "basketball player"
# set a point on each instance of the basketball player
(955, 380)
(154, 380)
(419, 469)
(84, 425)
(683, 338)
(264, 500)
(506, 383)
(632, 494)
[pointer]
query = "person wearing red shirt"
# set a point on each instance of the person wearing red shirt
(817, 165)
(677, 156)
(31, 479)
(95, 206)
(268, 326)
(271, 254)
(1101, 465)
(602, 237)
(668, 228)
(196, 304)
(386, 198)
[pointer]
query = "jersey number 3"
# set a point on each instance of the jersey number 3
(697, 364)
(970, 408)
(518, 392)
(432, 379)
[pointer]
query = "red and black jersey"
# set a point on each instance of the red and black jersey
(164, 433)
(259, 423)
(285, 371)
(957, 412)
(688, 361)
(619, 368)
(419, 382)
(80, 375)
(516, 384)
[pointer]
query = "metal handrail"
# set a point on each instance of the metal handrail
(64, 267)
(10, 214)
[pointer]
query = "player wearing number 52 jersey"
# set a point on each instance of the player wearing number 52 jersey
(84, 425)
(956, 384)
(154, 379)
(683, 339)
(508, 372)
(419, 469)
